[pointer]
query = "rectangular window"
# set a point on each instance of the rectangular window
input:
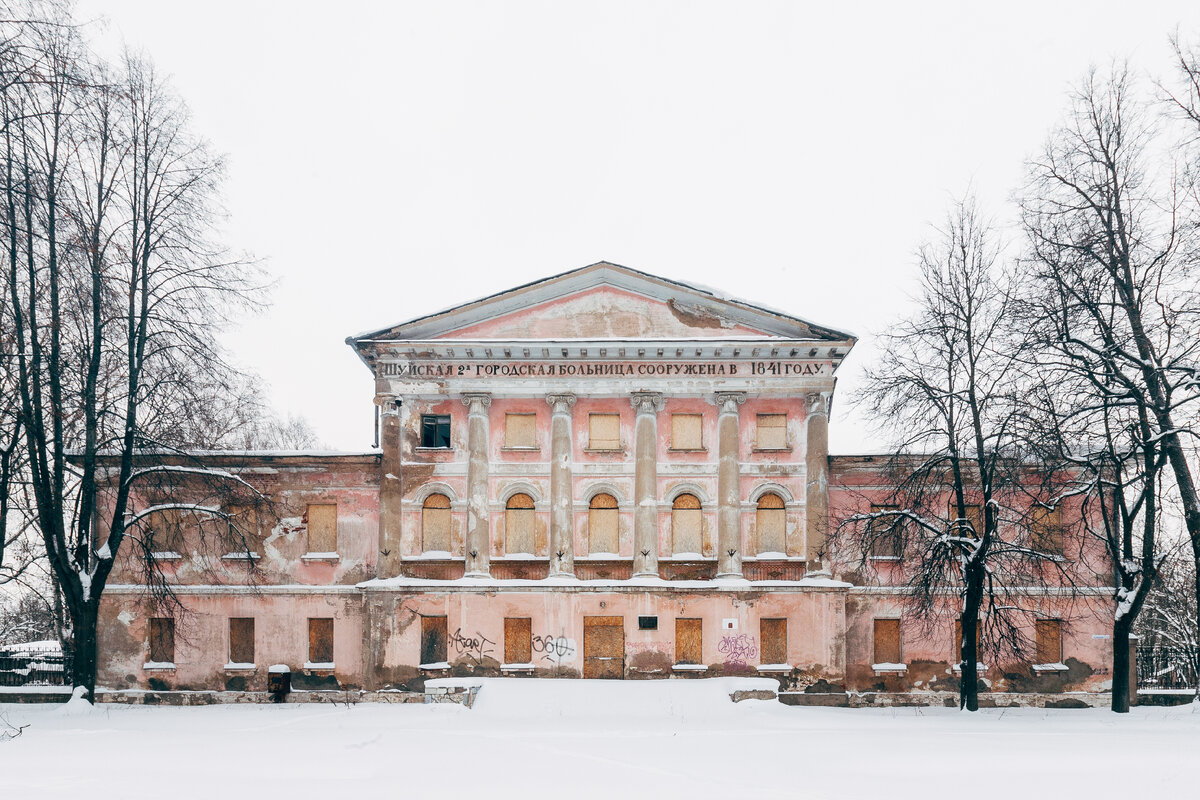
(604, 431)
(771, 432)
(322, 527)
(887, 641)
(162, 640)
(520, 430)
(518, 640)
(433, 640)
(244, 536)
(320, 640)
(1046, 530)
(885, 535)
(435, 430)
(165, 529)
(773, 633)
(1049, 641)
(689, 641)
(241, 640)
(686, 432)
(974, 516)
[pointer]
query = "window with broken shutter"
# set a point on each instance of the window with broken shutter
(686, 432)
(322, 527)
(602, 524)
(433, 640)
(689, 641)
(887, 641)
(771, 432)
(520, 430)
(604, 431)
(518, 640)
(518, 524)
(770, 522)
(1048, 634)
(162, 639)
(773, 633)
(686, 524)
(435, 524)
(241, 640)
(320, 640)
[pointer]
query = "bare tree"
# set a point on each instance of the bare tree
(1111, 218)
(116, 289)
(1167, 625)
(950, 379)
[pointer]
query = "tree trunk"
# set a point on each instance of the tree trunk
(968, 685)
(1120, 683)
(83, 646)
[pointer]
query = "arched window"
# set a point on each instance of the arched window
(602, 524)
(435, 524)
(770, 521)
(518, 524)
(685, 524)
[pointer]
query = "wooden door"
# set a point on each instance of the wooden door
(603, 647)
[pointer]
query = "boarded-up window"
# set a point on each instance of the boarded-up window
(887, 641)
(771, 433)
(773, 633)
(604, 431)
(958, 640)
(689, 641)
(320, 640)
(243, 525)
(520, 430)
(164, 530)
(322, 527)
(162, 639)
(433, 640)
(1046, 530)
(974, 516)
(518, 641)
(602, 524)
(1049, 641)
(686, 519)
(771, 523)
(686, 432)
(241, 640)
(518, 524)
(885, 533)
(435, 523)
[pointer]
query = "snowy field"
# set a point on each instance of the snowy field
(583, 739)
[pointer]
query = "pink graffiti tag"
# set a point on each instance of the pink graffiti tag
(737, 649)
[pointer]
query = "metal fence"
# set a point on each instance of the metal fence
(1167, 667)
(32, 667)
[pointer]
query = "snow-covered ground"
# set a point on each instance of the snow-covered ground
(580, 739)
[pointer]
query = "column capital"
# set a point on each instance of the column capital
(476, 401)
(728, 402)
(647, 402)
(561, 403)
(817, 403)
(388, 403)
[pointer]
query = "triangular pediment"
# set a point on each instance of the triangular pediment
(605, 301)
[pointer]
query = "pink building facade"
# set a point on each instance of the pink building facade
(601, 474)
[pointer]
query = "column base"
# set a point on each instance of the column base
(477, 574)
(730, 575)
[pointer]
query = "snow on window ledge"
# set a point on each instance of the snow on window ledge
(774, 667)
(240, 557)
(238, 666)
(1055, 667)
(979, 667)
(278, 669)
(886, 667)
(883, 558)
(434, 555)
(320, 557)
(158, 665)
(320, 666)
(435, 665)
(689, 667)
(517, 667)
(166, 555)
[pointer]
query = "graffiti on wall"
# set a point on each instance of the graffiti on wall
(555, 649)
(477, 647)
(738, 649)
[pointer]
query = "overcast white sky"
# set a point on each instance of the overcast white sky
(389, 159)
